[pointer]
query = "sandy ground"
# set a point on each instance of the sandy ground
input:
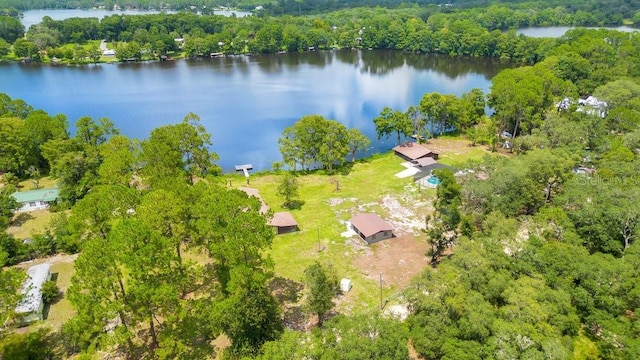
(398, 260)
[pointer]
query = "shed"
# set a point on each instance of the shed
(30, 308)
(371, 227)
(283, 222)
(35, 199)
(412, 151)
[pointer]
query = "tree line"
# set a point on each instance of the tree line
(469, 32)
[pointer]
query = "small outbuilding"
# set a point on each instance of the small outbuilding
(283, 222)
(35, 199)
(412, 151)
(371, 227)
(30, 308)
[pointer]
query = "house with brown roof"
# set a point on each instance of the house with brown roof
(283, 222)
(413, 151)
(371, 227)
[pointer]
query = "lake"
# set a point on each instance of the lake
(32, 17)
(557, 31)
(245, 102)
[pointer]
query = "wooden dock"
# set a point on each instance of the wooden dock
(245, 169)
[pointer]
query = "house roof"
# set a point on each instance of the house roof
(283, 219)
(37, 275)
(412, 150)
(424, 161)
(369, 224)
(254, 192)
(47, 195)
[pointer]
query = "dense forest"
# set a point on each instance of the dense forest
(534, 252)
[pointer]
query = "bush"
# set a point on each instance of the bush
(50, 292)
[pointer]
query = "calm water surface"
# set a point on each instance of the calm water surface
(557, 31)
(245, 102)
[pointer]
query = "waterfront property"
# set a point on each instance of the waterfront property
(30, 307)
(371, 227)
(411, 151)
(35, 199)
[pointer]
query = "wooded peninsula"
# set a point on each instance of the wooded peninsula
(513, 237)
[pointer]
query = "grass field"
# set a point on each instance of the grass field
(319, 237)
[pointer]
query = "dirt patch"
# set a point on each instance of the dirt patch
(398, 259)
(56, 259)
(403, 219)
(455, 146)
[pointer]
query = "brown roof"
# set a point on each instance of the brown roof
(254, 192)
(425, 161)
(283, 219)
(412, 150)
(369, 224)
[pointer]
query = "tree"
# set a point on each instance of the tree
(178, 151)
(118, 160)
(357, 142)
(322, 284)
(391, 121)
(288, 189)
(11, 28)
(8, 205)
(445, 111)
(50, 292)
(24, 48)
(521, 96)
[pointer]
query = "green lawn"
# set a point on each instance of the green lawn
(319, 236)
(62, 310)
(27, 224)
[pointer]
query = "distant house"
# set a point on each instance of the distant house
(35, 199)
(29, 309)
(413, 151)
(109, 53)
(283, 222)
(371, 227)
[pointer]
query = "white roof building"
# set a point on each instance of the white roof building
(30, 307)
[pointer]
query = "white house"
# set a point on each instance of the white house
(30, 307)
(35, 199)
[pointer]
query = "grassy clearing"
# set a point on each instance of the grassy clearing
(62, 310)
(319, 237)
(29, 184)
(27, 224)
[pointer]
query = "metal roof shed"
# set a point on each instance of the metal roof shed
(29, 309)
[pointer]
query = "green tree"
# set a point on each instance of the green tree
(391, 121)
(11, 28)
(8, 205)
(50, 292)
(322, 284)
(288, 188)
(314, 139)
(24, 48)
(178, 151)
(357, 142)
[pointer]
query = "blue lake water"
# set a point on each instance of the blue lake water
(557, 31)
(245, 102)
